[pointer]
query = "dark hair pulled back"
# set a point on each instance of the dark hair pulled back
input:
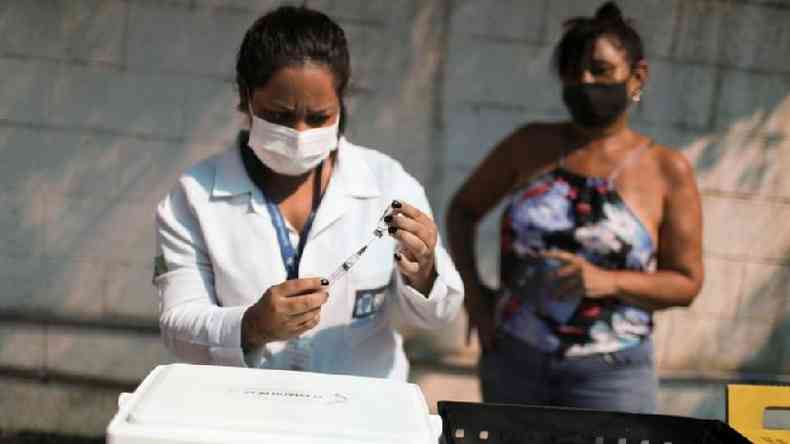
(291, 36)
(582, 32)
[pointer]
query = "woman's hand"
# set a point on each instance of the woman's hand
(577, 276)
(417, 235)
(284, 311)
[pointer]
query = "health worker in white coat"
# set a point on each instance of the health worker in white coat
(248, 240)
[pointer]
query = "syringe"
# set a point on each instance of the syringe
(344, 268)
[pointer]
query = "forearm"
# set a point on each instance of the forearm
(251, 336)
(461, 231)
(423, 284)
(435, 309)
(655, 291)
(201, 334)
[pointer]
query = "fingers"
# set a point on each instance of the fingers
(568, 277)
(411, 245)
(409, 219)
(560, 255)
(406, 265)
(301, 320)
(285, 310)
(567, 271)
(568, 280)
(307, 326)
(401, 207)
(299, 296)
(296, 287)
(417, 237)
(406, 224)
(297, 305)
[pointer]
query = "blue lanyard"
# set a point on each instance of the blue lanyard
(291, 256)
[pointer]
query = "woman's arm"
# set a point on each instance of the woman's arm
(481, 191)
(680, 272)
(488, 184)
(429, 288)
(193, 326)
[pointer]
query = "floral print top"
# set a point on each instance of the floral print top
(582, 215)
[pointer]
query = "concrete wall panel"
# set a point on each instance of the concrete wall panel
(105, 103)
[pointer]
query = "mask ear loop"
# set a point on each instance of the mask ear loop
(341, 119)
(249, 110)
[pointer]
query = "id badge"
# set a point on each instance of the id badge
(300, 353)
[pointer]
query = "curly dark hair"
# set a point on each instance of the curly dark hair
(291, 36)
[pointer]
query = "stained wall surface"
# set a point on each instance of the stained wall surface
(104, 102)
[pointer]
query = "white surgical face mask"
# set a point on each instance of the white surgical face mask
(287, 151)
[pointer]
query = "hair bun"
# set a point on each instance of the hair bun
(609, 11)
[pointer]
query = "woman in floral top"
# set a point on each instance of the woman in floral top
(602, 227)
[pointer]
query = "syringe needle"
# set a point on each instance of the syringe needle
(378, 233)
(348, 263)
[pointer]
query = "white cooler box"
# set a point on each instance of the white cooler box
(183, 403)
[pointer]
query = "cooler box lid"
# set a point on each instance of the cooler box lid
(183, 403)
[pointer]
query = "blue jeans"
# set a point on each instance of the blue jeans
(516, 373)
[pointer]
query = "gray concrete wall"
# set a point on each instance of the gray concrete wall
(104, 103)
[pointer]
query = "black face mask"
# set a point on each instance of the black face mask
(595, 104)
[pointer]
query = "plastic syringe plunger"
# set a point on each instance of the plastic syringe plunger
(378, 233)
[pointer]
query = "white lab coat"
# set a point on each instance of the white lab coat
(217, 253)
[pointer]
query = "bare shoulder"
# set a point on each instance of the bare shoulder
(673, 164)
(520, 154)
(544, 130)
(539, 140)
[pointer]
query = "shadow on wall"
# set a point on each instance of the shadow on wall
(749, 154)
(748, 160)
(761, 360)
(90, 145)
(87, 159)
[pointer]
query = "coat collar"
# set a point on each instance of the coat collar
(352, 178)
(352, 174)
